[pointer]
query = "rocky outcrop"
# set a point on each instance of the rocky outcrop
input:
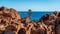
(12, 23)
(51, 22)
(9, 20)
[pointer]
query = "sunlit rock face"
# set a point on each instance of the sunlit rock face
(9, 18)
(50, 23)
(12, 23)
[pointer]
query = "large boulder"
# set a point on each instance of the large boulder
(9, 17)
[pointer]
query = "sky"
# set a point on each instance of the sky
(34, 5)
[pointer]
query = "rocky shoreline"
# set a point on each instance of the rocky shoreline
(12, 23)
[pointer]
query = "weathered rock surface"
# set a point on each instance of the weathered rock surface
(12, 23)
(9, 20)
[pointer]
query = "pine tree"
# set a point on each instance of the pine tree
(30, 13)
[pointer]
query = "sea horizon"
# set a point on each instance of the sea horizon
(37, 11)
(35, 15)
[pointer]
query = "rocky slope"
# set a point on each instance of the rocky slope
(12, 23)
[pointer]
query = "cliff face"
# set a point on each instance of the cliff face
(12, 23)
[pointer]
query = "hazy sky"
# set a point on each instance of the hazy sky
(35, 5)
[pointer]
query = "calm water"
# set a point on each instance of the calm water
(35, 15)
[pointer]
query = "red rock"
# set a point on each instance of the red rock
(11, 21)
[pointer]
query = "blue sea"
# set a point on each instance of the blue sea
(35, 15)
